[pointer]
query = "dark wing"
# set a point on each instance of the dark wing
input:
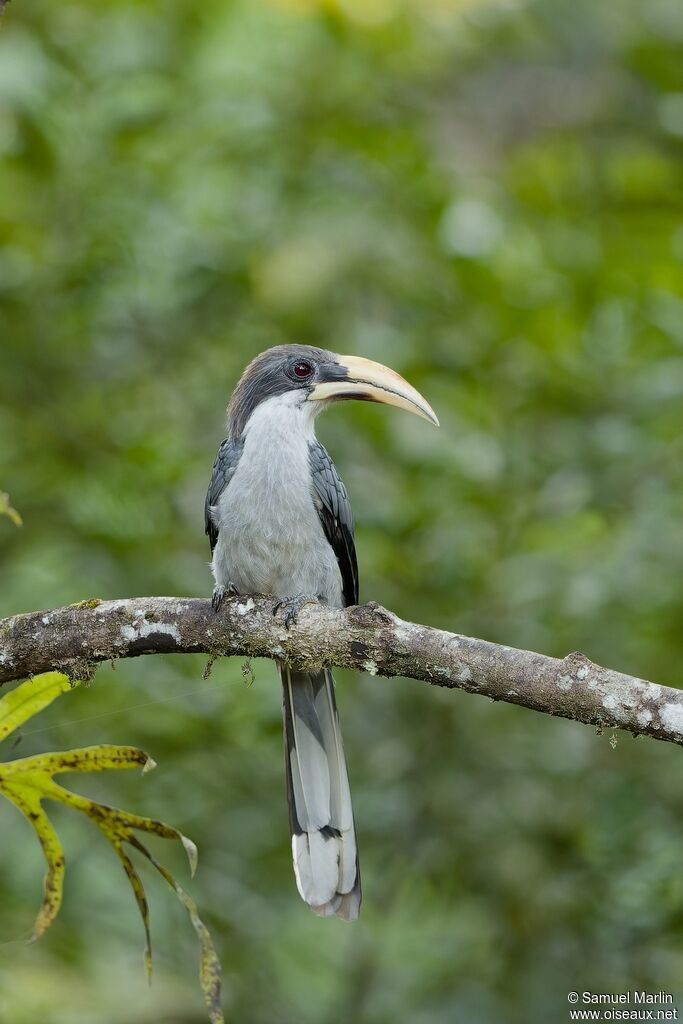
(336, 517)
(223, 471)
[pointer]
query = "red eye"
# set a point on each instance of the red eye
(302, 369)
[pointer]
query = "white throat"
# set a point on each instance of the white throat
(287, 419)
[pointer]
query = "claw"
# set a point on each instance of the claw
(220, 593)
(292, 606)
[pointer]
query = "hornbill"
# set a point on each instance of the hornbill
(279, 523)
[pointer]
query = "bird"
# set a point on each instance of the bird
(279, 523)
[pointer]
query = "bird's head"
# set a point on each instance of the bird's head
(308, 378)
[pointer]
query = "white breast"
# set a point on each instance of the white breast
(270, 538)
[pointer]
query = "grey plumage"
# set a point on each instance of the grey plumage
(279, 522)
(223, 471)
(324, 848)
(334, 509)
(270, 539)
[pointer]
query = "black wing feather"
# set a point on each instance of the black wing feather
(336, 517)
(223, 471)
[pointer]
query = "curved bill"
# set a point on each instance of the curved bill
(355, 377)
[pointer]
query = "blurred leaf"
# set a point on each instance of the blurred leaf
(5, 507)
(26, 782)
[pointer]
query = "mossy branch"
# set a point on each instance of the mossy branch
(368, 638)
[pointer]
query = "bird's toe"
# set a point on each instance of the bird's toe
(221, 592)
(291, 606)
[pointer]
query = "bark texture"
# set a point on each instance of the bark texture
(367, 638)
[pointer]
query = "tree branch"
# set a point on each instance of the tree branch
(367, 638)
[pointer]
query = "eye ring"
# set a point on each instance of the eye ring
(302, 369)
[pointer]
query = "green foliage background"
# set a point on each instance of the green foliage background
(487, 197)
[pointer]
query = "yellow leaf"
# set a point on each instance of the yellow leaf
(30, 697)
(27, 781)
(82, 759)
(141, 900)
(27, 799)
(209, 964)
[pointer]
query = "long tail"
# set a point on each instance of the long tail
(320, 813)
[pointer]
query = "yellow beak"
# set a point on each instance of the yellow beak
(355, 377)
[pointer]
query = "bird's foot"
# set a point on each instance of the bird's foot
(220, 593)
(291, 606)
